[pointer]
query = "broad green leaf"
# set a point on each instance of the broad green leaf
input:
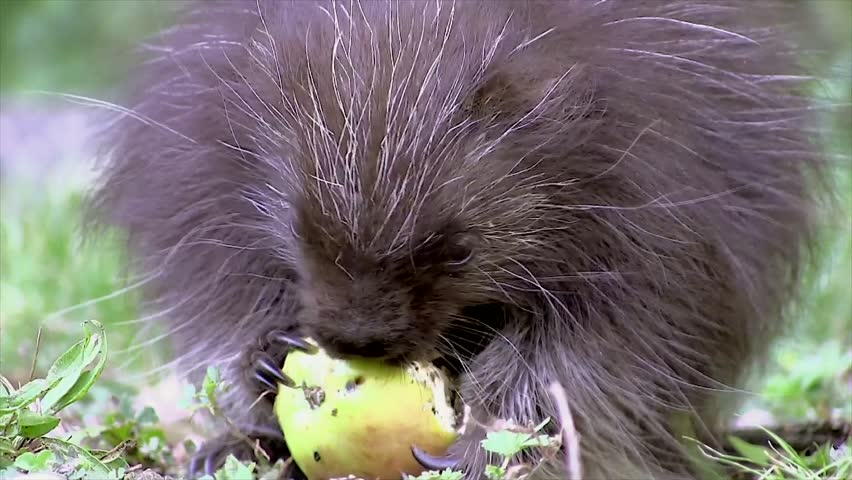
(235, 470)
(63, 374)
(508, 443)
(24, 396)
(87, 460)
(752, 453)
(94, 345)
(67, 391)
(83, 384)
(35, 425)
(34, 462)
(68, 360)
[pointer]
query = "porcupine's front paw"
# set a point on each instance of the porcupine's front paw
(266, 359)
(261, 368)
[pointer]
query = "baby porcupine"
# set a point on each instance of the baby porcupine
(611, 195)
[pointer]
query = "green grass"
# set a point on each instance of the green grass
(35, 416)
(72, 45)
(784, 462)
(52, 279)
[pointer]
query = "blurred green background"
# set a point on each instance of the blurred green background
(82, 47)
(76, 45)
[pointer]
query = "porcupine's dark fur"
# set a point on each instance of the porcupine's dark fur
(607, 194)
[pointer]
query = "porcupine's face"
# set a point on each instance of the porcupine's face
(387, 304)
(389, 214)
(410, 182)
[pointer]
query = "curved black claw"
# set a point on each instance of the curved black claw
(268, 373)
(431, 462)
(268, 356)
(282, 338)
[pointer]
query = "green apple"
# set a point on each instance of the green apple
(361, 416)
